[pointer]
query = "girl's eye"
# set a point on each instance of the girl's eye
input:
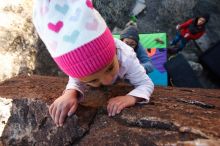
(109, 69)
(94, 81)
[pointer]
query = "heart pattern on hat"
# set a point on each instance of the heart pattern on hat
(89, 4)
(55, 27)
(93, 25)
(71, 31)
(62, 9)
(43, 10)
(53, 45)
(73, 1)
(76, 16)
(71, 38)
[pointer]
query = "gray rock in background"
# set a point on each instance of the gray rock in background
(115, 12)
(164, 15)
(213, 31)
(196, 67)
(44, 64)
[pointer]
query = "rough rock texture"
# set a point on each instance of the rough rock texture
(17, 41)
(116, 13)
(30, 122)
(174, 116)
(22, 52)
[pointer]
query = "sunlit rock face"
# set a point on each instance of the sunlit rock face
(19, 43)
(17, 40)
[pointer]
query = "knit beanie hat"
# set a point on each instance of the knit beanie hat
(75, 34)
(130, 32)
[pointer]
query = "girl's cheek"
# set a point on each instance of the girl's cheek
(116, 69)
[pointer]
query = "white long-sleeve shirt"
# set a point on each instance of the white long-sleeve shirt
(130, 69)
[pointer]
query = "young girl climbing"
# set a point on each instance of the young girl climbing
(82, 45)
(190, 30)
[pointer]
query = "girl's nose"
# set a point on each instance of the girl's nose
(107, 80)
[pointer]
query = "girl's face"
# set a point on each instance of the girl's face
(130, 42)
(201, 21)
(104, 76)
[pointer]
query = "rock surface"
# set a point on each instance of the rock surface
(17, 41)
(22, 52)
(116, 13)
(174, 116)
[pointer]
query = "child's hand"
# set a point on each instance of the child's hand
(186, 35)
(117, 104)
(63, 106)
(178, 27)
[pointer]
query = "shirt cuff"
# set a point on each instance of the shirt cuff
(140, 95)
(80, 96)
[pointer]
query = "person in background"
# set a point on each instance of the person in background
(192, 29)
(130, 36)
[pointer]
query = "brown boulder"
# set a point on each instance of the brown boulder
(174, 116)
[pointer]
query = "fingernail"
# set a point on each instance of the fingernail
(69, 114)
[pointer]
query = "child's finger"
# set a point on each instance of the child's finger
(51, 108)
(72, 110)
(57, 116)
(119, 109)
(109, 108)
(62, 117)
(53, 112)
(114, 109)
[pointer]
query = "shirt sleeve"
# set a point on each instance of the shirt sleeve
(186, 24)
(196, 36)
(144, 59)
(141, 54)
(74, 83)
(139, 79)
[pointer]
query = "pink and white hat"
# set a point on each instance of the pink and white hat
(75, 34)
